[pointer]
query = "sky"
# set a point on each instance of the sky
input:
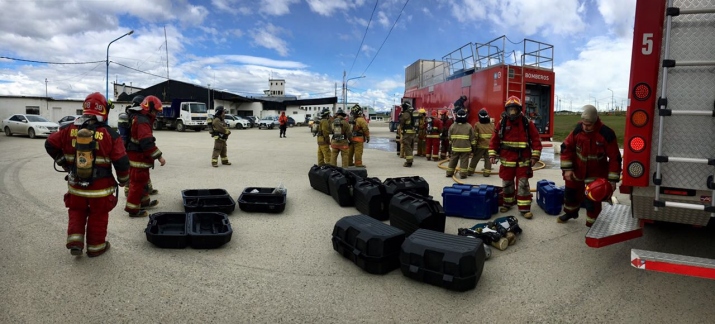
(237, 45)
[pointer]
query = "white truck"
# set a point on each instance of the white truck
(669, 144)
(182, 114)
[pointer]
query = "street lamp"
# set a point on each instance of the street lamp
(345, 99)
(613, 107)
(110, 43)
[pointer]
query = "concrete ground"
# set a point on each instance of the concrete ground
(282, 268)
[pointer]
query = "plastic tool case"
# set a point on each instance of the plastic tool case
(549, 197)
(168, 230)
(208, 200)
(341, 183)
(318, 177)
(371, 198)
(209, 230)
(415, 184)
(262, 200)
(200, 230)
(470, 201)
(369, 243)
(410, 211)
(449, 261)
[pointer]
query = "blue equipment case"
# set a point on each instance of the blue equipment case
(549, 197)
(470, 201)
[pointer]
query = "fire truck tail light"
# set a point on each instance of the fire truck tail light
(641, 91)
(635, 169)
(639, 118)
(637, 144)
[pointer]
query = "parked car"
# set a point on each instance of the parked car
(252, 119)
(30, 125)
(237, 122)
(268, 122)
(68, 119)
(291, 121)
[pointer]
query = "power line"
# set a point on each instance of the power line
(44, 62)
(363, 38)
(79, 75)
(386, 37)
(131, 68)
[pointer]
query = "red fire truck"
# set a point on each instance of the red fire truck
(395, 117)
(487, 74)
(669, 145)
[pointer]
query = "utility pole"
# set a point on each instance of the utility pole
(613, 104)
(47, 100)
(208, 96)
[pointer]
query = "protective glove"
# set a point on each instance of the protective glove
(215, 137)
(367, 139)
(533, 161)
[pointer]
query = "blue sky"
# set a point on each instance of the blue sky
(237, 45)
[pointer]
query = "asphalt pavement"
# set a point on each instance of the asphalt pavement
(282, 268)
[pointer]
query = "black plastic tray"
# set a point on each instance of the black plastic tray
(209, 230)
(218, 204)
(168, 230)
(263, 201)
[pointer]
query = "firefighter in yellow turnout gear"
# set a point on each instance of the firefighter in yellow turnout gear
(422, 132)
(220, 135)
(360, 135)
(461, 137)
(339, 144)
(483, 130)
(322, 133)
(408, 125)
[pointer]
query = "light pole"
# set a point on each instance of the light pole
(208, 96)
(345, 99)
(613, 105)
(47, 103)
(110, 43)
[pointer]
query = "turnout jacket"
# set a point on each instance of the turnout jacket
(512, 147)
(461, 136)
(142, 149)
(592, 155)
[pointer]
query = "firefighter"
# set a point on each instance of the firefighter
(518, 147)
(398, 142)
(341, 140)
(408, 125)
(124, 128)
(461, 103)
(444, 137)
(589, 152)
(360, 135)
(323, 135)
(461, 136)
(142, 152)
(220, 135)
(422, 132)
(433, 130)
(483, 130)
(88, 149)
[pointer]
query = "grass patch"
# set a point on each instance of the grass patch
(564, 124)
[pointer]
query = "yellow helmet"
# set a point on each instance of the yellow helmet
(422, 111)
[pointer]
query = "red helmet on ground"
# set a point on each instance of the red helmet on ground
(151, 102)
(599, 190)
(96, 105)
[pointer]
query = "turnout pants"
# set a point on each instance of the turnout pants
(523, 192)
(88, 216)
(323, 154)
(463, 159)
(574, 196)
(138, 194)
(219, 150)
(432, 147)
(480, 153)
(408, 139)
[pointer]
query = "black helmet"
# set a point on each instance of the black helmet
(340, 112)
(406, 105)
(356, 110)
(461, 116)
(137, 100)
(219, 110)
(325, 113)
(484, 116)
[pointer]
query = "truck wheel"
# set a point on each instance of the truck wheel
(156, 125)
(180, 127)
(197, 129)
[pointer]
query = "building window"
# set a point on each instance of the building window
(79, 112)
(32, 110)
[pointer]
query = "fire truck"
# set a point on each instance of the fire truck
(487, 74)
(395, 117)
(669, 144)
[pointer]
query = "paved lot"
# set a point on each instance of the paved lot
(281, 268)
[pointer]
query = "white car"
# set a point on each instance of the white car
(30, 125)
(237, 122)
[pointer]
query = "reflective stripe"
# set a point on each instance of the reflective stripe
(525, 164)
(75, 238)
(590, 220)
(69, 158)
(224, 158)
(466, 137)
(157, 154)
(507, 163)
(508, 199)
(588, 157)
(135, 164)
(91, 193)
(132, 206)
(450, 170)
(102, 160)
(514, 144)
(487, 136)
(123, 179)
(523, 202)
(536, 153)
(589, 180)
(492, 153)
(461, 150)
(566, 164)
(409, 131)
(96, 248)
(433, 136)
(613, 176)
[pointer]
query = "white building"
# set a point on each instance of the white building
(50, 108)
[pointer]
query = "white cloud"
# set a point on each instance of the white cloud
(268, 36)
(367, 50)
(276, 7)
(618, 15)
(383, 20)
(328, 7)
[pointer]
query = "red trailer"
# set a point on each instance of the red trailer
(669, 145)
(487, 74)
(395, 117)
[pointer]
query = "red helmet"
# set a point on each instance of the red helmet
(151, 102)
(599, 190)
(512, 101)
(95, 104)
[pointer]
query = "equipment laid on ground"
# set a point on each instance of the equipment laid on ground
(318, 177)
(470, 201)
(410, 211)
(262, 200)
(415, 184)
(207, 200)
(340, 184)
(444, 260)
(549, 197)
(201, 230)
(359, 171)
(371, 198)
(369, 243)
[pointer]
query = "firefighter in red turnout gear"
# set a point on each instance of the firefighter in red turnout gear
(142, 152)
(444, 137)
(588, 153)
(433, 130)
(517, 144)
(88, 149)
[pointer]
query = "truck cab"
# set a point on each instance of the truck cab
(182, 114)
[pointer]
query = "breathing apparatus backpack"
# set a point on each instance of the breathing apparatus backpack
(83, 170)
(315, 128)
(124, 126)
(337, 129)
(210, 123)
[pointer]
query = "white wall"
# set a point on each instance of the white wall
(49, 109)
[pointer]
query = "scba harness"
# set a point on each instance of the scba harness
(502, 130)
(337, 129)
(84, 169)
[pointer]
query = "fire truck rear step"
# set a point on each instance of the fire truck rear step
(673, 263)
(614, 225)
